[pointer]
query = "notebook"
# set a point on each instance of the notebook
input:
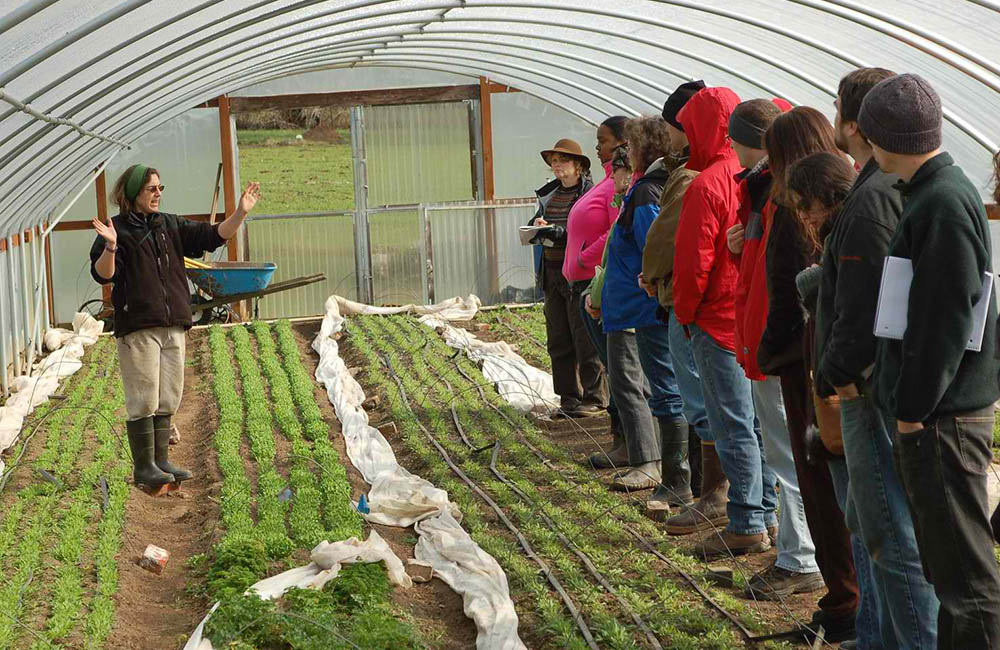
(894, 297)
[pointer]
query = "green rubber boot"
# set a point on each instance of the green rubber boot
(140, 442)
(162, 429)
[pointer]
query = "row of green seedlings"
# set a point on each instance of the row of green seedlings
(89, 535)
(594, 500)
(526, 583)
(302, 618)
(559, 532)
(614, 516)
(587, 505)
(523, 327)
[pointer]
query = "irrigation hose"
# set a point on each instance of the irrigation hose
(525, 544)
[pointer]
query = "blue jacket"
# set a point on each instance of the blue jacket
(624, 304)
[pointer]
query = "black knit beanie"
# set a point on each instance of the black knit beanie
(678, 98)
(902, 115)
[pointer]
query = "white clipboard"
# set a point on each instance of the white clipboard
(894, 298)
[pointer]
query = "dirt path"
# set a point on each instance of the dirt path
(156, 611)
(436, 609)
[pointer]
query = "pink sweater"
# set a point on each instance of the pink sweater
(587, 229)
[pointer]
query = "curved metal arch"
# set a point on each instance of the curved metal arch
(152, 65)
(142, 117)
(23, 199)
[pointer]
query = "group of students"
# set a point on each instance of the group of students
(723, 281)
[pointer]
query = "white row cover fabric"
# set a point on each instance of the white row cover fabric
(31, 390)
(115, 69)
(400, 498)
(327, 561)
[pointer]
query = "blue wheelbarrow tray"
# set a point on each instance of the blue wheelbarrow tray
(231, 278)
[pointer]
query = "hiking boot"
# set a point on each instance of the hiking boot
(175, 435)
(775, 583)
(835, 629)
(675, 472)
(709, 512)
(141, 444)
(585, 411)
(640, 477)
(772, 532)
(726, 544)
(162, 428)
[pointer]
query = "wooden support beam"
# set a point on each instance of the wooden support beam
(229, 189)
(489, 182)
(101, 188)
(993, 211)
(63, 226)
(496, 88)
(393, 96)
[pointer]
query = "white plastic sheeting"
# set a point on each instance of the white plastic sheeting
(34, 389)
(327, 561)
(400, 498)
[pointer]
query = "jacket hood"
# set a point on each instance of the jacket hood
(706, 123)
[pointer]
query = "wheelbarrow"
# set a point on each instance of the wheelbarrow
(230, 282)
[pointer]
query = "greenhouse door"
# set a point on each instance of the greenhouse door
(405, 155)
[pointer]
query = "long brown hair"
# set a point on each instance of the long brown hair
(648, 139)
(824, 178)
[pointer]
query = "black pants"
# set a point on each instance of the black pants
(577, 373)
(943, 469)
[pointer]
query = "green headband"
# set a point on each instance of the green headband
(134, 183)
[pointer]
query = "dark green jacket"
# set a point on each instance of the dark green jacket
(853, 256)
(943, 230)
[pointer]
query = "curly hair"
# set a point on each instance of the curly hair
(648, 139)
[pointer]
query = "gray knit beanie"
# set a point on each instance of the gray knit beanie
(902, 114)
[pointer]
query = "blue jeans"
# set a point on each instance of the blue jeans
(688, 381)
(657, 365)
(737, 439)
(596, 333)
(796, 551)
(866, 620)
(878, 513)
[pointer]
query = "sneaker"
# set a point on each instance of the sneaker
(728, 544)
(775, 583)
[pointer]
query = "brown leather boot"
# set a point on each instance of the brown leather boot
(726, 544)
(708, 512)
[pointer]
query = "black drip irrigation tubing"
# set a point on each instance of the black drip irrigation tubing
(525, 544)
(648, 545)
(584, 559)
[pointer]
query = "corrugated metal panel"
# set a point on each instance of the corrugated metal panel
(304, 246)
(418, 153)
(461, 257)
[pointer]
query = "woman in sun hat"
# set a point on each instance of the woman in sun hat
(576, 369)
(141, 252)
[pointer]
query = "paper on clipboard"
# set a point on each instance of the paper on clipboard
(528, 233)
(894, 297)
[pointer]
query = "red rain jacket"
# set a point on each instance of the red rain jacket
(705, 274)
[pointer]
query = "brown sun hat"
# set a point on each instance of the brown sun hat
(569, 148)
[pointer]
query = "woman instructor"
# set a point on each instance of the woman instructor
(141, 252)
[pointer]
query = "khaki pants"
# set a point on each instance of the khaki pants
(152, 363)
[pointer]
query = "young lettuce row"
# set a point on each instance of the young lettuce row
(339, 516)
(260, 432)
(305, 501)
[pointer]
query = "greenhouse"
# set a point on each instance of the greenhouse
(382, 449)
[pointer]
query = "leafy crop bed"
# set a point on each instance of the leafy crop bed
(586, 568)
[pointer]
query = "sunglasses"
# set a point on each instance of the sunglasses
(153, 188)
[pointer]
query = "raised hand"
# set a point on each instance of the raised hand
(250, 197)
(106, 230)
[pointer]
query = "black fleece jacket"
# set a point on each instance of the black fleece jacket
(853, 257)
(150, 284)
(785, 256)
(943, 230)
